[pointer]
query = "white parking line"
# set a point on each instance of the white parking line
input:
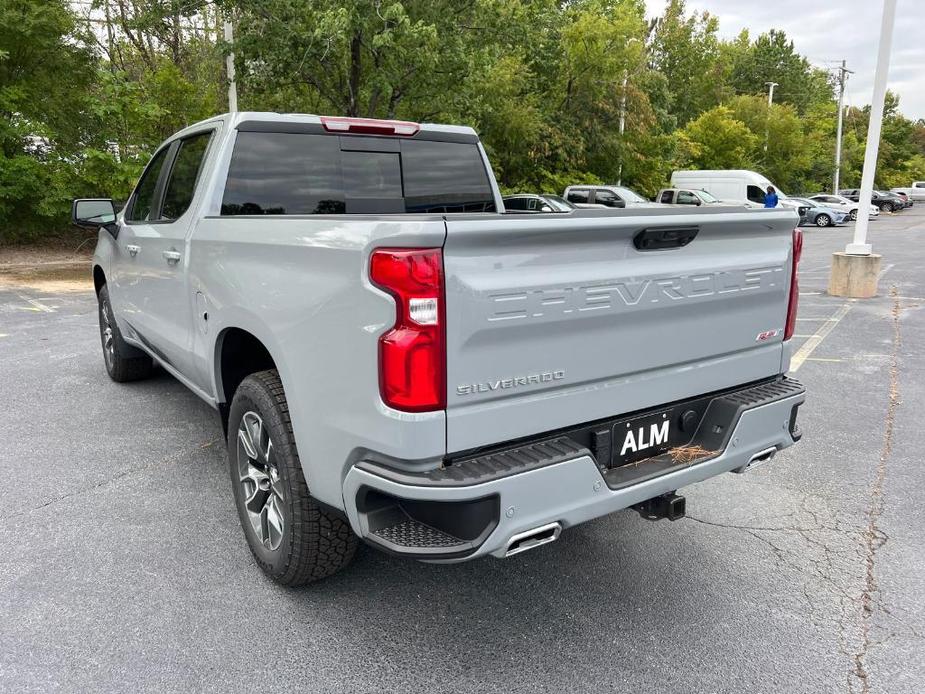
(36, 305)
(816, 339)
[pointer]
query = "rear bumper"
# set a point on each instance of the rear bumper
(506, 494)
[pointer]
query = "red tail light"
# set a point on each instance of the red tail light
(370, 126)
(794, 285)
(412, 355)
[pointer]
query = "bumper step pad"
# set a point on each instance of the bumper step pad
(409, 533)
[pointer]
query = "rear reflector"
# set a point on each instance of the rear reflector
(370, 126)
(412, 354)
(794, 285)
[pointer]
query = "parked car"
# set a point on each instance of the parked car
(445, 385)
(813, 212)
(840, 202)
(731, 185)
(907, 201)
(608, 196)
(532, 203)
(800, 206)
(887, 202)
(916, 191)
(685, 196)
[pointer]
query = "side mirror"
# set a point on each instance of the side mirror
(95, 213)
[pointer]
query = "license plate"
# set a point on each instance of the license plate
(642, 437)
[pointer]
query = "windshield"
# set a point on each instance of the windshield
(628, 194)
(559, 204)
(706, 197)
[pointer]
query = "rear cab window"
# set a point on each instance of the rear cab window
(289, 173)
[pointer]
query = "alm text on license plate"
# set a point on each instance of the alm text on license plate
(641, 438)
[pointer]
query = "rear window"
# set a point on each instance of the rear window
(300, 173)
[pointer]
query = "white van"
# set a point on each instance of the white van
(729, 185)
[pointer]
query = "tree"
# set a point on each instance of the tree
(716, 140)
(772, 58)
(779, 144)
(39, 125)
(686, 51)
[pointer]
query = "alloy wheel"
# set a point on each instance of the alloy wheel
(109, 344)
(260, 483)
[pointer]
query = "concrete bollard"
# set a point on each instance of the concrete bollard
(854, 276)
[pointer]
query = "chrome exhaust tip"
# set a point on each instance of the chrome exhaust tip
(530, 539)
(759, 458)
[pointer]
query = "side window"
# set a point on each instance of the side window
(178, 194)
(685, 197)
(578, 195)
(755, 194)
(920, 184)
(606, 197)
(666, 197)
(284, 173)
(142, 202)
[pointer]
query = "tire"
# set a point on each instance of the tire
(885, 207)
(853, 215)
(292, 537)
(823, 220)
(123, 361)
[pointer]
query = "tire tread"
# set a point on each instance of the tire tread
(320, 542)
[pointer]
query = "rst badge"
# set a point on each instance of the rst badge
(767, 335)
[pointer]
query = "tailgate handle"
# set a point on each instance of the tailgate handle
(662, 238)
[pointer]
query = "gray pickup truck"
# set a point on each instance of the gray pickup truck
(395, 359)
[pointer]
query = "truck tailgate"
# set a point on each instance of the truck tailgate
(554, 321)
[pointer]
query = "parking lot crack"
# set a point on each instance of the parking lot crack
(110, 480)
(874, 537)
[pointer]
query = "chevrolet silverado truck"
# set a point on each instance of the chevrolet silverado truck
(395, 359)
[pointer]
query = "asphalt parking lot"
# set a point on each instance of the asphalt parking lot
(123, 567)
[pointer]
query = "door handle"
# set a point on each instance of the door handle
(172, 257)
(132, 249)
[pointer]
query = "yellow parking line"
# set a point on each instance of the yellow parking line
(816, 339)
(821, 359)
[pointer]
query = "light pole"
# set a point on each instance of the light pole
(767, 127)
(622, 126)
(229, 67)
(843, 75)
(859, 245)
(856, 272)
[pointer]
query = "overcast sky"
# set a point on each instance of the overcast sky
(827, 31)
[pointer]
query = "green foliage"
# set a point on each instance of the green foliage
(716, 140)
(83, 105)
